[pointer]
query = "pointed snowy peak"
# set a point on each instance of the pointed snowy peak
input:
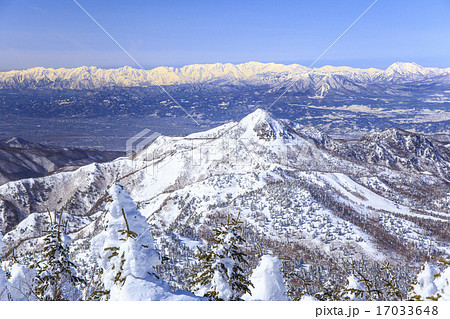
(412, 69)
(257, 116)
(262, 124)
(404, 67)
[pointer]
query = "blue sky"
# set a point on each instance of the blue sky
(56, 33)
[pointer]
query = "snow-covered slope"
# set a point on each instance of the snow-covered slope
(297, 195)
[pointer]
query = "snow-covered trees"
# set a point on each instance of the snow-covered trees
(56, 277)
(423, 285)
(53, 277)
(268, 281)
(360, 285)
(431, 283)
(442, 282)
(3, 279)
(354, 289)
(126, 254)
(220, 275)
(329, 292)
(22, 283)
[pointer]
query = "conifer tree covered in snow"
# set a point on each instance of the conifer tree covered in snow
(431, 284)
(220, 274)
(354, 289)
(3, 279)
(442, 282)
(423, 285)
(56, 277)
(127, 256)
(329, 292)
(268, 281)
(22, 283)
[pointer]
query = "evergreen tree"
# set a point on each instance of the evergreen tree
(3, 280)
(423, 286)
(220, 275)
(125, 249)
(391, 289)
(354, 289)
(431, 283)
(126, 255)
(56, 277)
(442, 281)
(329, 292)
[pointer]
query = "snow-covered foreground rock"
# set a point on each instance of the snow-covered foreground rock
(311, 201)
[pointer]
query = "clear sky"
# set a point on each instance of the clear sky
(56, 33)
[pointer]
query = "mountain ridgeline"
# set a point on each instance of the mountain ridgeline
(251, 73)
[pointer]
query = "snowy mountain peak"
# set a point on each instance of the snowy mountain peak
(265, 126)
(257, 116)
(407, 68)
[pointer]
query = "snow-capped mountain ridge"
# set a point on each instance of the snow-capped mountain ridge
(251, 73)
(394, 148)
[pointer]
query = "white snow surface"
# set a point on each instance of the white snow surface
(150, 289)
(268, 281)
(20, 283)
(426, 286)
(442, 283)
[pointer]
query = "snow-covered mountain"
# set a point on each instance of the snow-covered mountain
(252, 73)
(23, 159)
(298, 192)
(393, 148)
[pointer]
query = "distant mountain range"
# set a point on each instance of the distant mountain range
(252, 73)
(343, 102)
